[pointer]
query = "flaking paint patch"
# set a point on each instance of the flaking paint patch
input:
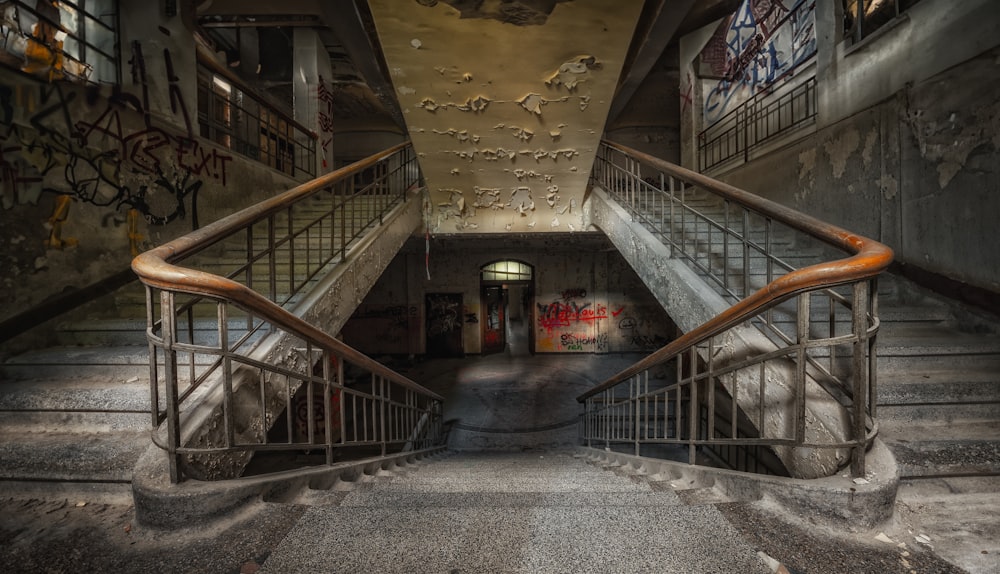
(889, 186)
(807, 163)
(840, 151)
(866, 153)
(950, 141)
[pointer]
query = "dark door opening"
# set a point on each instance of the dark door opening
(506, 295)
(494, 319)
(444, 325)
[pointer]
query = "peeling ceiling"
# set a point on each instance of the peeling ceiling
(504, 100)
(506, 117)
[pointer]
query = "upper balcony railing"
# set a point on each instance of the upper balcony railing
(754, 123)
(716, 386)
(232, 115)
(234, 372)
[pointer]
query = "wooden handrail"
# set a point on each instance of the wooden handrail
(157, 268)
(868, 259)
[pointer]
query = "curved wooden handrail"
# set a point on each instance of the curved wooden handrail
(868, 259)
(157, 268)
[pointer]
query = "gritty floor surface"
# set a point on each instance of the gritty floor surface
(57, 536)
(68, 533)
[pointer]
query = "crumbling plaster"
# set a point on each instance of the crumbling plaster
(904, 144)
(917, 171)
(486, 100)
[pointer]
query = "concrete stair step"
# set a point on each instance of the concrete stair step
(62, 421)
(945, 449)
(131, 331)
(488, 499)
(69, 355)
(77, 457)
(517, 484)
(933, 387)
(942, 413)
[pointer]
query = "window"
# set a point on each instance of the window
(75, 40)
(863, 17)
(506, 271)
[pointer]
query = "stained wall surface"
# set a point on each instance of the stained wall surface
(89, 182)
(903, 146)
(505, 103)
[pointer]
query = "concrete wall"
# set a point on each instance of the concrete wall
(904, 146)
(586, 297)
(918, 172)
(91, 176)
(650, 121)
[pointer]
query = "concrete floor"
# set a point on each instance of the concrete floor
(510, 401)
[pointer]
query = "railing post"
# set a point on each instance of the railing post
(859, 324)
(802, 338)
(635, 412)
(384, 413)
(327, 405)
(170, 374)
(693, 409)
(872, 353)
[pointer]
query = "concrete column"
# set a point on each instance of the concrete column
(159, 64)
(313, 97)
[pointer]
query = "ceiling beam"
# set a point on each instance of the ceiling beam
(665, 23)
(343, 18)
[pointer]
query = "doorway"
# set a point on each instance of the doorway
(506, 292)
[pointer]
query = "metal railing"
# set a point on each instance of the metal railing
(234, 372)
(754, 123)
(232, 115)
(817, 324)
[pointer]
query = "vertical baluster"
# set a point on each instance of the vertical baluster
(872, 354)
(859, 375)
(154, 358)
(710, 389)
(693, 409)
(802, 339)
(328, 391)
(384, 412)
(170, 375)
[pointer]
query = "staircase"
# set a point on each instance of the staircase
(938, 378)
(75, 414)
(938, 387)
(75, 419)
(540, 511)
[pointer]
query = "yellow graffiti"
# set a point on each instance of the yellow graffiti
(43, 54)
(60, 213)
(134, 237)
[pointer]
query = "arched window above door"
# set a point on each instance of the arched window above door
(506, 271)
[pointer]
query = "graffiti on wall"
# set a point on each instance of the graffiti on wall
(324, 118)
(762, 42)
(81, 143)
(564, 314)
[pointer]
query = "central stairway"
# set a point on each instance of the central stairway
(472, 512)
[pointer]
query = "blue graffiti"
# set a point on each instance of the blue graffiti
(760, 51)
